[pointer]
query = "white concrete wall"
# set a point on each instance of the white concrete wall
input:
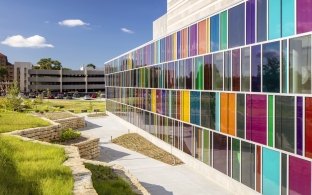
(160, 27)
(24, 75)
(181, 13)
(200, 167)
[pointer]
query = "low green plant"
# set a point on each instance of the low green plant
(106, 182)
(69, 134)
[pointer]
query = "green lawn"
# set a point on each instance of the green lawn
(106, 182)
(11, 121)
(32, 168)
(75, 105)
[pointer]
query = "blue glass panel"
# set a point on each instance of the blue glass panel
(237, 26)
(195, 107)
(261, 20)
(288, 17)
(275, 27)
(214, 33)
(270, 172)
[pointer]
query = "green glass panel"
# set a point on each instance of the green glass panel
(271, 117)
(236, 159)
(223, 32)
(206, 147)
(199, 73)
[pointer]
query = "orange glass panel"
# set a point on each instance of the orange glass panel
(224, 112)
(231, 112)
(228, 119)
(202, 37)
(185, 43)
(208, 35)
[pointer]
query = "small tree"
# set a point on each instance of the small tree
(48, 92)
(3, 72)
(12, 100)
(91, 66)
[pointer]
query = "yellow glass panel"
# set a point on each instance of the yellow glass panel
(153, 100)
(186, 106)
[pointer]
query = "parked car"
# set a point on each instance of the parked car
(51, 97)
(94, 95)
(69, 97)
(32, 95)
(59, 96)
(87, 97)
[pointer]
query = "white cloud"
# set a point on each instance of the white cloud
(35, 41)
(72, 23)
(125, 30)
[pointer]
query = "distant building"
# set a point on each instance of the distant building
(66, 80)
(7, 65)
(21, 75)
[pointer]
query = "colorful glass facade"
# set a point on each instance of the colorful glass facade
(232, 90)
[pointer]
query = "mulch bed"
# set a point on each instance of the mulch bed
(139, 144)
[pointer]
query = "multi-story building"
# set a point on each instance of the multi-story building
(21, 75)
(9, 67)
(66, 80)
(229, 84)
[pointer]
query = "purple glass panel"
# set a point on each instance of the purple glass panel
(299, 125)
(250, 21)
(299, 176)
(304, 16)
(163, 102)
(158, 101)
(193, 40)
(256, 118)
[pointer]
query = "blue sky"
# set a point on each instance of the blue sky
(102, 29)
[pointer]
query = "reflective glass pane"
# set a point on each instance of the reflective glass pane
(271, 67)
(218, 71)
(300, 65)
(245, 69)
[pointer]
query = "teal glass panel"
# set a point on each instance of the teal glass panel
(270, 172)
(223, 29)
(288, 17)
(217, 112)
(275, 27)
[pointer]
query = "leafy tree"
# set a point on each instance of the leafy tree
(91, 66)
(49, 64)
(3, 72)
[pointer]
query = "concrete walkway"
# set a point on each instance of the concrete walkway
(157, 177)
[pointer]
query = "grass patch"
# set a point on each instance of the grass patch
(57, 115)
(106, 182)
(74, 105)
(139, 144)
(11, 121)
(32, 168)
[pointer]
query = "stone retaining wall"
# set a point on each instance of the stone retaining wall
(75, 122)
(46, 134)
(89, 149)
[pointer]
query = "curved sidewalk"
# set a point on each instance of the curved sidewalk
(157, 177)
